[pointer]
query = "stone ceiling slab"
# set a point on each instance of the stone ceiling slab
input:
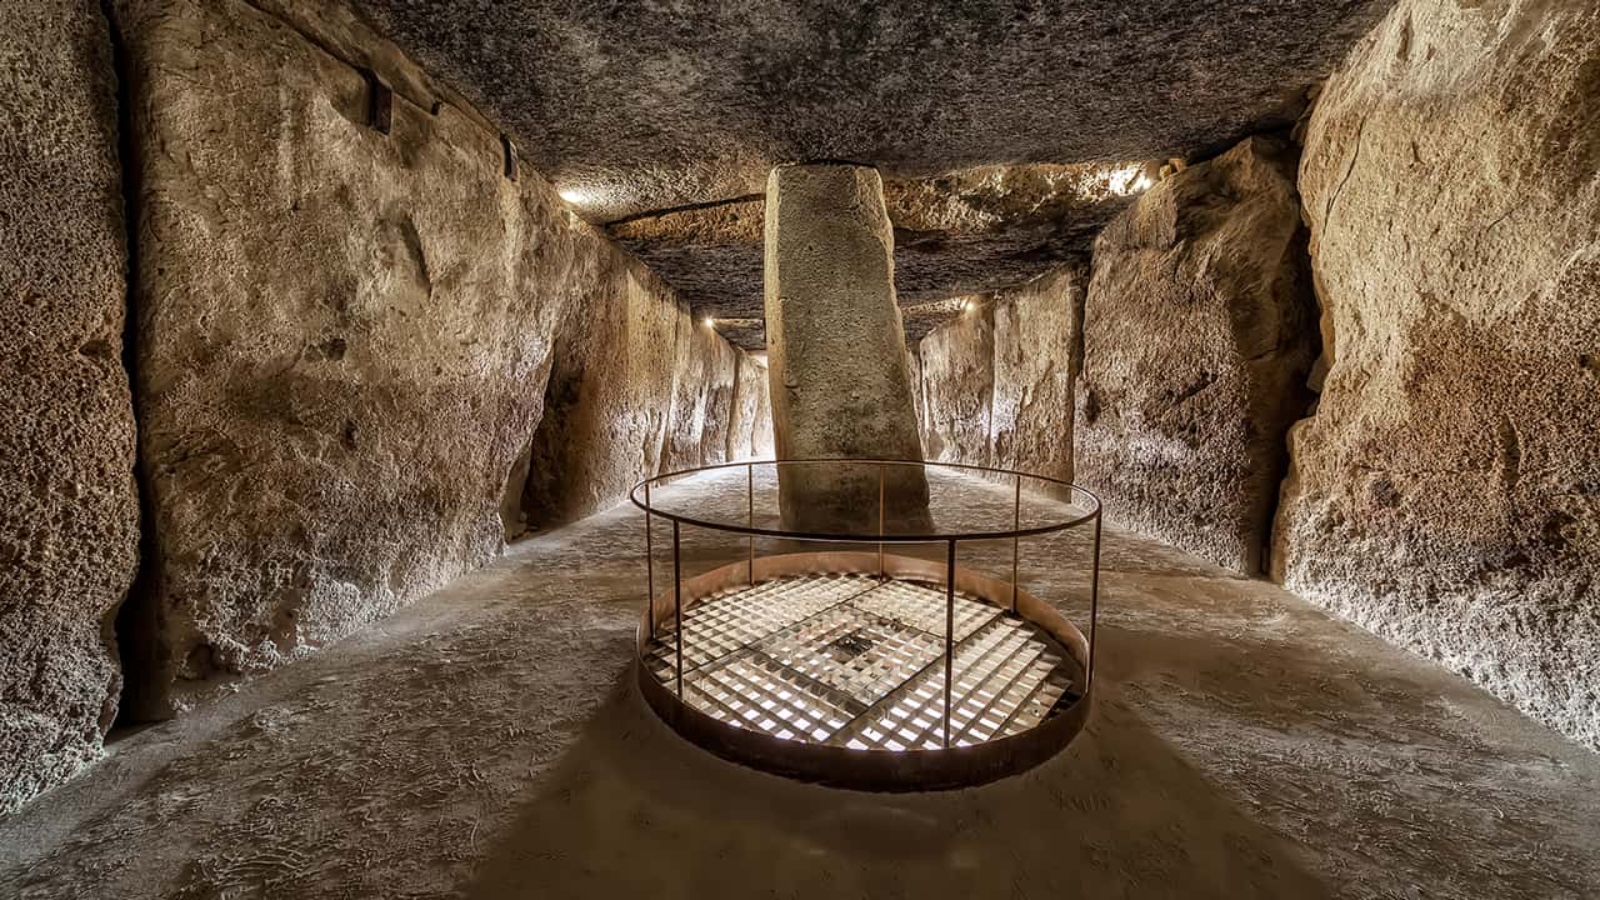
(637, 106)
(988, 120)
(969, 232)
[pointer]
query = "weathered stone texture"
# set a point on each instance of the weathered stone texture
(609, 397)
(837, 351)
(338, 331)
(69, 512)
(1446, 493)
(345, 339)
(996, 382)
(957, 365)
(750, 426)
(1198, 337)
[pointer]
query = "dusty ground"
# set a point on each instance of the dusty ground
(486, 743)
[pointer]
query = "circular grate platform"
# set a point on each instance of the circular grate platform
(871, 670)
(857, 661)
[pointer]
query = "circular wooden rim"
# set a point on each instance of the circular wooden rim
(878, 770)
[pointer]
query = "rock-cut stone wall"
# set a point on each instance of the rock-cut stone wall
(351, 303)
(1446, 493)
(1198, 336)
(997, 382)
(69, 511)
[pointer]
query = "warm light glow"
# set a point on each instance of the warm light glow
(710, 322)
(1128, 180)
(575, 196)
(969, 306)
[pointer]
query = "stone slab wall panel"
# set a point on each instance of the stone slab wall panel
(996, 381)
(1198, 338)
(957, 367)
(69, 509)
(702, 397)
(1036, 347)
(337, 332)
(1446, 493)
(348, 339)
(614, 393)
(750, 425)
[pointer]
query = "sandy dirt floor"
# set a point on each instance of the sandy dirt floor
(488, 743)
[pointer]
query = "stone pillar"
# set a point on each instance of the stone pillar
(840, 383)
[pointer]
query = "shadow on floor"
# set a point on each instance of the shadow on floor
(633, 810)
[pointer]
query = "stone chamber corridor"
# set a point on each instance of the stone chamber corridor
(799, 449)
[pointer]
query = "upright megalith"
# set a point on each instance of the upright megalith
(69, 509)
(841, 386)
(1446, 492)
(1198, 335)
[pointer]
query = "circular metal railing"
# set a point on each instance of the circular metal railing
(951, 748)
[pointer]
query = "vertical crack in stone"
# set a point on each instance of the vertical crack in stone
(1300, 250)
(131, 627)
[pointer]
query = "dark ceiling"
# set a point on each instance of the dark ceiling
(642, 107)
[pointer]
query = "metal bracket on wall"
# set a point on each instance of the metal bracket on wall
(380, 103)
(509, 149)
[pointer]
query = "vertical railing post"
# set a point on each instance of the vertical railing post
(880, 520)
(1016, 542)
(750, 498)
(649, 567)
(949, 634)
(1094, 598)
(677, 601)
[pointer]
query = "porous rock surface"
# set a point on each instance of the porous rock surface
(650, 107)
(996, 227)
(996, 381)
(1446, 493)
(345, 339)
(711, 255)
(69, 511)
(840, 384)
(974, 231)
(1198, 336)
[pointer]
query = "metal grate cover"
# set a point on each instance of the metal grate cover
(858, 661)
(721, 624)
